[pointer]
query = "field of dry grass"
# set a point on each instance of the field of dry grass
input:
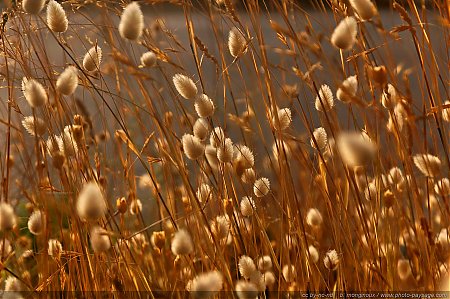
(155, 149)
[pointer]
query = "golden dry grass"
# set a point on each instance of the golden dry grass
(355, 206)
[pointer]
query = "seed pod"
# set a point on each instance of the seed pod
(54, 248)
(148, 59)
(185, 86)
(91, 204)
(348, 89)
(99, 239)
(314, 218)
(67, 81)
(355, 149)
(92, 59)
(131, 22)
(225, 151)
(331, 260)
(428, 164)
(246, 266)
(289, 273)
(321, 138)
(236, 43)
(284, 119)
(217, 137)
(36, 222)
(33, 7)
(245, 157)
(34, 92)
(247, 206)
(265, 263)
(34, 125)
(204, 106)
(313, 253)
(204, 192)
(201, 128)
(344, 35)
(182, 243)
(205, 285)
(192, 146)
(261, 187)
(56, 17)
(325, 99)
(7, 217)
(365, 8)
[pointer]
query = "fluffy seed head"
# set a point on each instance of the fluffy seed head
(54, 248)
(284, 119)
(269, 278)
(331, 260)
(261, 187)
(131, 22)
(258, 280)
(397, 119)
(91, 204)
(211, 156)
(236, 43)
(325, 99)
(265, 263)
(158, 239)
(246, 290)
(204, 192)
(403, 269)
(247, 206)
(192, 146)
(33, 7)
(148, 59)
(289, 273)
(428, 164)
(53, 144)
(204, 106)
(395, 176)
(220, 227)
(344, 35)
(225, 151)
(12, 284)
(67, 143)
(314, 218)
(321, 137)
(248, 176)
(185, 86)
(217, 137)
(92, 59)
(34, 125)
(205, 285)
(446, 112)
(36, 222)
(182, 243)
(68, 81)
(313, 253)
(56, 17)
(389, 97)
(246, 266)
(7, 216)
(245, 157)
(365, 8)
(348, 89)
(356, 149)
(442, 187)
(135, 207)
(100, 239)
(34, 92)
(201, 128)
